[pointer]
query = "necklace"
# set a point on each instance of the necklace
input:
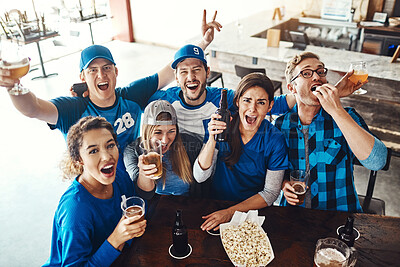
(105, 193)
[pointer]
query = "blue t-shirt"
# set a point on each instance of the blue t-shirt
(194, 119)
(82, 224)
(265, 151)
(124, 114)
(173, 184)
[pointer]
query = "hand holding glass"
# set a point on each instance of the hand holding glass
(360, 75)
(299, 182)
(13, 60)
(133, 206)
(152, 154)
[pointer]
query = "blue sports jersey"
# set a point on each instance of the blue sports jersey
(194, 119)
(82, 224)
(124, 115)
(265, 151)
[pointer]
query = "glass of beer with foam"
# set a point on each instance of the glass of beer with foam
(152, 154)
(360, 75)
(332, 252)
(133, 206)
(17, 63)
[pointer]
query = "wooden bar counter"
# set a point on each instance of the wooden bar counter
(293, 233)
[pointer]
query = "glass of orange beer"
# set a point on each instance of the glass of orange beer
(133, 206)
(360, 75)
(14, 60)
(152, 154)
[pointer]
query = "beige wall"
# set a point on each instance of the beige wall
(172, 23)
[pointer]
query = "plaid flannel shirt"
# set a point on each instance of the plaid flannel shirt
(330, 157)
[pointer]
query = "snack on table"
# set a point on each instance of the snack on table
(247, 244)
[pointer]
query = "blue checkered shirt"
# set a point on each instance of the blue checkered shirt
(330, 158)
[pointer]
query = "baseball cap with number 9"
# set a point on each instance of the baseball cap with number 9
(188, 51)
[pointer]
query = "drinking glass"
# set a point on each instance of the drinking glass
(133, 206)
(333, 252)
(152, 154)
(360, 75)
(299, 181)
(13, 59)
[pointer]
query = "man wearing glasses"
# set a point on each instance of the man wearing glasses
(323, 138)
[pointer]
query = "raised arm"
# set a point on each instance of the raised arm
(346, 87)
(360, 141)
(28, 104)
(166, 74)
(206, 155)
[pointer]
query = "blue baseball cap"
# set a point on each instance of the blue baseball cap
(92, 52)
(188, 51)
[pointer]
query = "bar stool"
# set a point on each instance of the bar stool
(214, 75)
(243, 71)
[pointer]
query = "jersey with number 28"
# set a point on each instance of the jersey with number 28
(124, 114)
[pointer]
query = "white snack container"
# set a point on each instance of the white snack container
(240, 217)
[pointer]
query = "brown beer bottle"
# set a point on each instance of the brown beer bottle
(225, 117)
(346, 233)
(179, 235)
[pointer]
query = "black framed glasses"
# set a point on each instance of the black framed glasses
(307, 74)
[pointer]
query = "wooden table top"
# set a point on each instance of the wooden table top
(293, 233)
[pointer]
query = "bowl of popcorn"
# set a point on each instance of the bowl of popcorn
(245, 241)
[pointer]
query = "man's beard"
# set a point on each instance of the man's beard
(203, 88)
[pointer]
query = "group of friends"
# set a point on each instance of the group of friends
(103, 129)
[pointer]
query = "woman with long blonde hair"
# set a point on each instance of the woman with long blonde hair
(160, 122)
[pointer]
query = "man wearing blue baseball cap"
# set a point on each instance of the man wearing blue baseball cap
(193, 100)
(122, 107)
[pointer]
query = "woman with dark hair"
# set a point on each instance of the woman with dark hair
(249, 168)
(89, 228)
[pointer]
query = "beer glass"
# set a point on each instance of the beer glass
(299, 182)
(360, 75)
(152, 154)
(133, 206)
(14, 60)
(334, 253)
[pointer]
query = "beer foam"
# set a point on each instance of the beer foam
(134, 210)
(329, 257)
(298, 186)
(14, 64)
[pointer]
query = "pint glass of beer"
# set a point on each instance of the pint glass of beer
(152, 154)
(299, 182)
(133, 206)
(334, 253)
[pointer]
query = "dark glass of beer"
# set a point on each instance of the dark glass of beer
(299, 182)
